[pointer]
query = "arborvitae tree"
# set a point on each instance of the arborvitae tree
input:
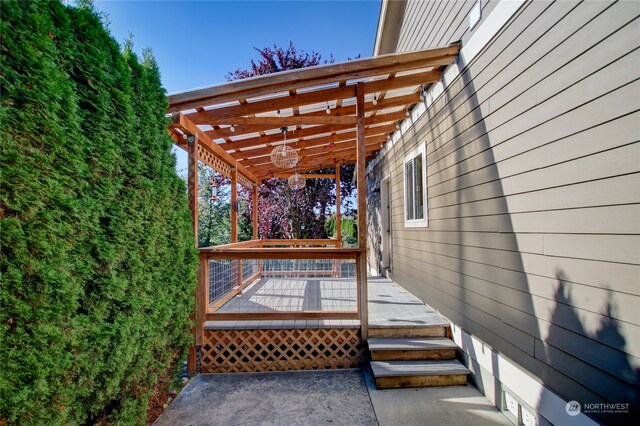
(214, 216)
(98, 260)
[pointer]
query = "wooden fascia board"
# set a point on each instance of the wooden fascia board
(313, 97)
(187, 126)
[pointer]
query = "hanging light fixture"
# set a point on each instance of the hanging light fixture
(214, 184)
(296, 181)
(375, 100)
(284, 156)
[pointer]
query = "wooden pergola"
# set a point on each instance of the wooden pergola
(335, 114)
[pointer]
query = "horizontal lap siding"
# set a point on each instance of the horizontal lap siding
(533, 165)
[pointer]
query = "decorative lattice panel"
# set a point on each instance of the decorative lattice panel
(228, 351)
(214, 162)
(220, 166)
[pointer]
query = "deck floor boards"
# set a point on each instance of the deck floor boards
(390, 305)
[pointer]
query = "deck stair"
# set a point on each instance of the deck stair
(414, 357)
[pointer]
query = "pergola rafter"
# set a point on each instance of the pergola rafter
(243, 118)
(314, 76)
(237, 123)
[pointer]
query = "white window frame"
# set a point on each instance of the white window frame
(424, 222)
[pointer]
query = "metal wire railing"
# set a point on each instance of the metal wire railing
(297, 268)
(221, 278)
(231, 276)
(280, 280)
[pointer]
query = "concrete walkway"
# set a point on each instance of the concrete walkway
(332, 397)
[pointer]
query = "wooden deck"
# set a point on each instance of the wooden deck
(390, 306)
(281, 345)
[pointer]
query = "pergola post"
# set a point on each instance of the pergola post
(234, 205)
(255, 211)
(192, 186)
(361, 261)
(236, 264)
(338, 202)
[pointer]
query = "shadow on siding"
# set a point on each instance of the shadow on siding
(614, 380)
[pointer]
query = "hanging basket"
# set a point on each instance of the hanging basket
(284, 156)
(296, 182)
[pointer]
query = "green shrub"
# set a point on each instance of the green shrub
(98, 261)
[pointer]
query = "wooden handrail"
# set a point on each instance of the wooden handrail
(300, 242)
(272, 242)
(250, 243)
(280, 253)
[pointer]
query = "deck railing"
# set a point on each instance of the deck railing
(226, 271)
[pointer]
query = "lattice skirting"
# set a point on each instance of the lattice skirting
(237, 350)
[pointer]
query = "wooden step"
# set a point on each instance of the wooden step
(413, 374)
(401, 331)
(411, 348)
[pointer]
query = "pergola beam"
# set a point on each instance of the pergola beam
(314, 76)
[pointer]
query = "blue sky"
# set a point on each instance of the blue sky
(197, 42)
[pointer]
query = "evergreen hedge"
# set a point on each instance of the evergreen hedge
(98, 261)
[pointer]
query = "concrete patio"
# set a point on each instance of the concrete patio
(337, 397)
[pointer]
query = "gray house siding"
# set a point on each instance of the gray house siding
(533, 240)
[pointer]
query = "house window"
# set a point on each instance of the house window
(415, 188)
